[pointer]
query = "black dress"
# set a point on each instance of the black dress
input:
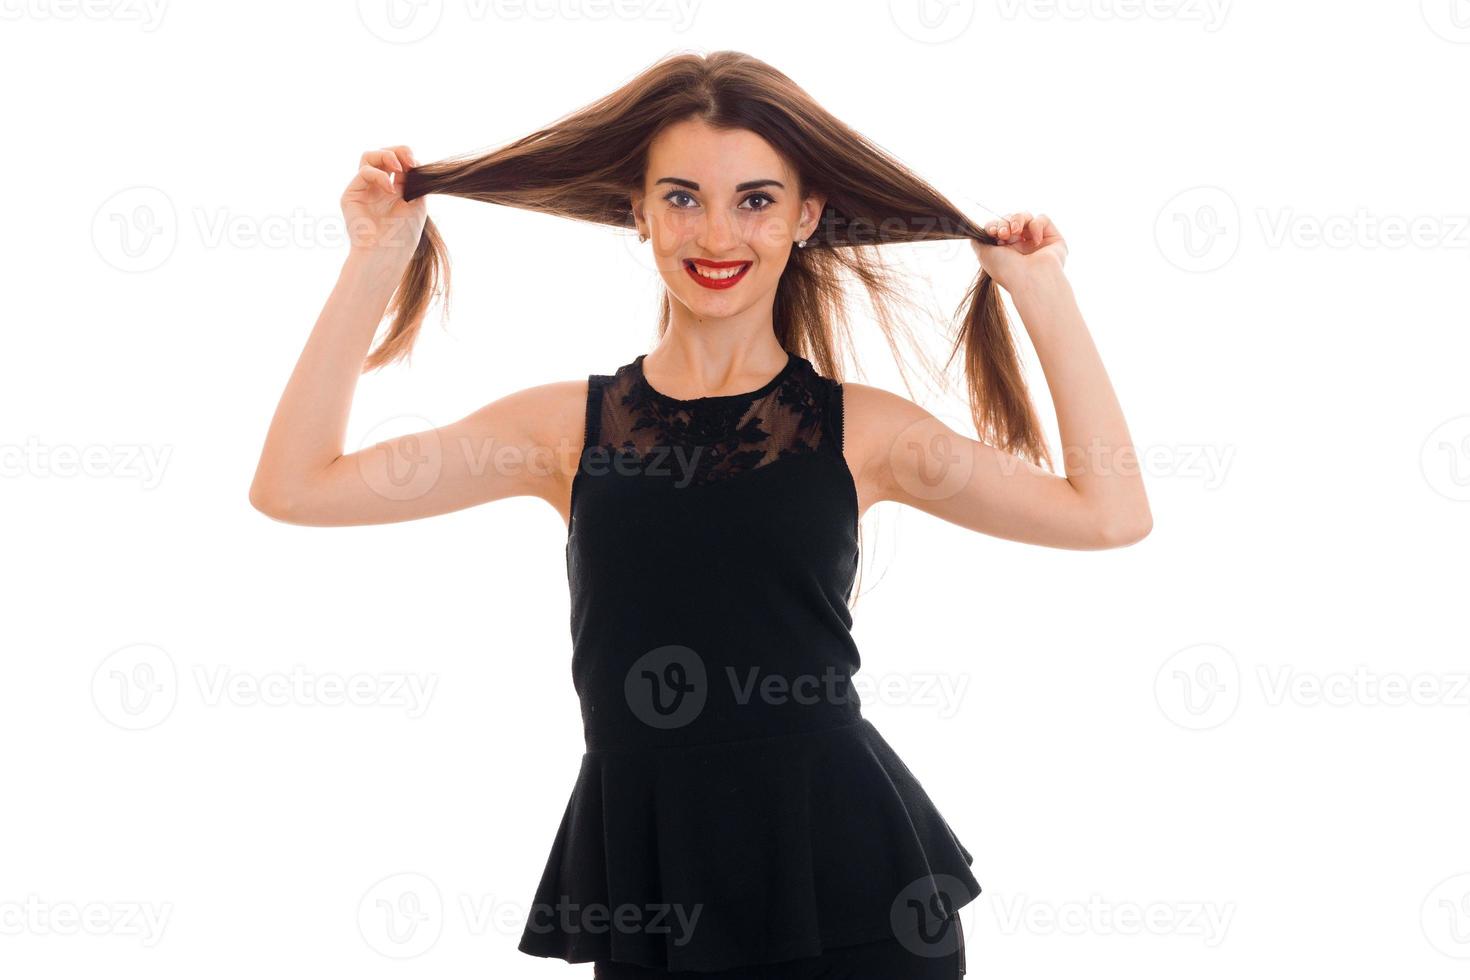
(735, 815)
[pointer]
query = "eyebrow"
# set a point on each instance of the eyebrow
(749, 185)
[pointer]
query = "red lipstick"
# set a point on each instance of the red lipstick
(709, 264)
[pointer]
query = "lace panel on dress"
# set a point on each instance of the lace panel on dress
(712, 438)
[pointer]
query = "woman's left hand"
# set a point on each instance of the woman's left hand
(1028, 245)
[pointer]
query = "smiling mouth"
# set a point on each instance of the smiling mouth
(716, 275)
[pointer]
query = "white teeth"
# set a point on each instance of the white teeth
(718, 274)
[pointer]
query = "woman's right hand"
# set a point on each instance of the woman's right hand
(377, 216)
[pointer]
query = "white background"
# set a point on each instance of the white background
(1249, 729)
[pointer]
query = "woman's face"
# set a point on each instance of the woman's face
(721, 211)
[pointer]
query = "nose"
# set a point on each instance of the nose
(719, 233)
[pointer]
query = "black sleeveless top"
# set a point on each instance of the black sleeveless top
(733, 806)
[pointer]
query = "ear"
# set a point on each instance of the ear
(635, 203)
(811, 214)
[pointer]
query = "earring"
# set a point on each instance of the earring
(801, 243)
(642, 237)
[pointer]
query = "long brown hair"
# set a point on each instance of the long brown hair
(584, 165)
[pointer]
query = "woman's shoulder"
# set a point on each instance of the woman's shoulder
(877, 423)
(547, 417)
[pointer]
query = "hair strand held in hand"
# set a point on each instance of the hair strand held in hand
(584, 165)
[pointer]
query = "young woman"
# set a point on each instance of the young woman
(735, 815)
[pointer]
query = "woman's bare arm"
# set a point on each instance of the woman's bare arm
(908, 455)
(523, 443)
